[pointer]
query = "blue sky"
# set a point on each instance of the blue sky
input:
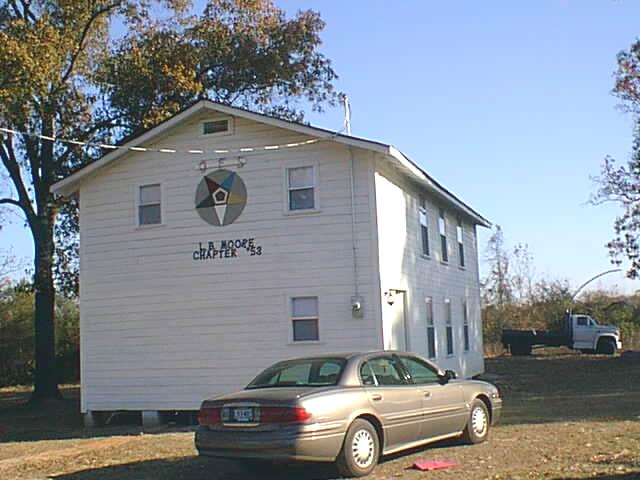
(506, 103)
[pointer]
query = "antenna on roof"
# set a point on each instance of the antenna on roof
(347, 113)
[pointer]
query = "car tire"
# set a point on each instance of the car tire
(606, 346)
(360, 450)
(477, 428)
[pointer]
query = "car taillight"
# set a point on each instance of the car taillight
(210, 416)
(284, 415)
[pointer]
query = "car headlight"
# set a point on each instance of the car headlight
(494, 393)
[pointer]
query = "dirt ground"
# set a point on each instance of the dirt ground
(566, 416)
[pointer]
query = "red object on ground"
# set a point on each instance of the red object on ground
(426, 465)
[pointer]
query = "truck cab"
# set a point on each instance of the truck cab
(589, 336)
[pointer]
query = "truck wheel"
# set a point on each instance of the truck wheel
(477, 429)
(606, 346)
(520, 350)
(360, 450)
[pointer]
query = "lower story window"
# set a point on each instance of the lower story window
(431, 330)
(449, 325)
(304, 318)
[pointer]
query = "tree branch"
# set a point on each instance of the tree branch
(9, 161)
(10, 201)
(83, 36)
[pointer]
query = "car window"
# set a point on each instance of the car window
(307, 372)
(582, 321)
(366, 374)
(421, 373)
(386, 371)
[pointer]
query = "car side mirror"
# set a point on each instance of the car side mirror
(447, 376)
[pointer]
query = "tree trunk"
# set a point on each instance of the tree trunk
(45, 380)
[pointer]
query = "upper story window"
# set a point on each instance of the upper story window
(460, 237)
(442, 228)
(304, 317)
(213, 127)
(424, 230)
(150, 204)
(301, 188)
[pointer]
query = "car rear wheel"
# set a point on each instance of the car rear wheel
(360, 450)
(477, 429)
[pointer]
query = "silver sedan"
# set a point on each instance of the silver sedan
(350, 409)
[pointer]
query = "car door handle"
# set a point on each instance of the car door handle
(376, 397)
(427, 394)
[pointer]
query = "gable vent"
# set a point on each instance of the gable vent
(215, 126)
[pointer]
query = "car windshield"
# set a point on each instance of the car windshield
(306, 372)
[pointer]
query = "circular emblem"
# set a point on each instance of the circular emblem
(221, 197)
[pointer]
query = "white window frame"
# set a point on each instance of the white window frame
(448, 317)
(462, 258)
(229, 131)
(442, 232)
(315, 186)
(466, 331)
(431, 325)
(422, 213)
(137, 204)
(292, 318)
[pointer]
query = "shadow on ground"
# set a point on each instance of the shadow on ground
(563, 387)
(196, 468)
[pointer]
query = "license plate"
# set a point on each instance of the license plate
(243, 414)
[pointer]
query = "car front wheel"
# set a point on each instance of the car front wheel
(360, 451)
(477, 429)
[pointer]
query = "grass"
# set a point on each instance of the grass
(566, 416)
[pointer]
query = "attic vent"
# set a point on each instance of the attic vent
(215, 126)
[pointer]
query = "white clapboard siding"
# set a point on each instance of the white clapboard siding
(403, 267)
(162, 331)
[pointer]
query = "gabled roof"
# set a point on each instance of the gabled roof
(71, 183)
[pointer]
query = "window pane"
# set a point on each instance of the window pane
(420, 372)
(425, 240)
(449, 340)
(300, 177)
(150, 215)
(423, 217)
(149, 194)
(216, 126)
(444, 247)
(461, 254)
(386, 371)
(305, 330)
(366, 375)
(459, 233)
(466, 337)
(429, 311)
(305, 306)
(431, 341)
(442, 224)
(301, 199)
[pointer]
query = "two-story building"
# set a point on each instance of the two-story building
(223, 240)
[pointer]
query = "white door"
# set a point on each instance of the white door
(397, 328)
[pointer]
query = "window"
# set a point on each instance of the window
(215, 126)
(449, 323)
(442, 227)
(310, 372)
(301, 188)
(582, 321)
(431, 329)
(424, 231)
(420, 372)
(149, 205)
(385, 371)
(465, 321)
(305, 319)
(460, 236)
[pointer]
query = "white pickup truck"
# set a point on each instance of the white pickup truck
(579, 332)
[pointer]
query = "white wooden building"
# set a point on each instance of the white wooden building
(279, 240)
